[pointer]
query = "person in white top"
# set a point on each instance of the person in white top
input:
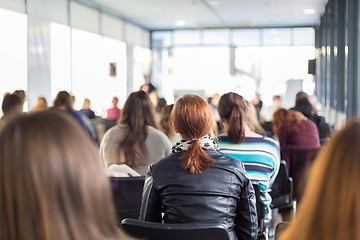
(135, 141)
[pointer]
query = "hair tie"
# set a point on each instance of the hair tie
(194, 140)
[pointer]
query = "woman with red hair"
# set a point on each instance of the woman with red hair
(197, 183)
(293, 129)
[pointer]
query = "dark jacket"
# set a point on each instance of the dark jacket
(221, 194)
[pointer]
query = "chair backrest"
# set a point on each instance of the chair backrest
(127, 195)
(260, 209)
(282, 188)
(188, 231)
(299, 161)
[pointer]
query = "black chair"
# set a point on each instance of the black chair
(127, 195)
(282, 188)
(260, 210)
(188, 231)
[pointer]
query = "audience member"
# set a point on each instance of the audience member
(160, 107)
(64, 103)
(52, 185)
(257, 104)
(197, 183)
(86, 109)
(136, 141)
(11, 105)
(330, 207)
(41, 105)
(293, 129)
(114, 112)
(304, 106)
(260, 155)
(252, 120)
(21, 94)
(166, 126)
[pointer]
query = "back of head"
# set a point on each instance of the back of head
(138, 113)
(41, 105)
(232, 109)
(52, 185)
(304, 106)
(330, 208)
(300, 95)
(11, 104)
(284, 116)
(21, 94)
(193, 119)
(165, 122)
(161, 105)
(86, 103)
(63, 99)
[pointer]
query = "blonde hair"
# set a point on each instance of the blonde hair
(330, 208)
(52, 185)
(41, 105)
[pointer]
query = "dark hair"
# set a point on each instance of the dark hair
(63, 99)
(304, 106)
(11, 104)
(21, 94)
(161, 105)
(137, 114)
(301, 95)
(193, 119)
(232, 108)
(52, 184)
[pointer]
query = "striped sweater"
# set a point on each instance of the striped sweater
(261, 158)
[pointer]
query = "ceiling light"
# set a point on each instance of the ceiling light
(309, 11)
(180, 23)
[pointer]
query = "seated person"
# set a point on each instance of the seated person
(135, 141)
(260, 155)
(52, 183)
(330, 206)
(197, 183)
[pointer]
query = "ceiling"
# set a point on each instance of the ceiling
(177, 14)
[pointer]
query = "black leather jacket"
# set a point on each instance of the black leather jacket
(222, 194)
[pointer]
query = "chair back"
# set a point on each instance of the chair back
(299, 161)
(188, 231)
(282, 188)
(260, 210)
(127, 195)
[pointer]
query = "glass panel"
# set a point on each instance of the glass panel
(186, 37)
(304, 36)
(246, 37)
(277, 37)
(216, 36)
(13, 52)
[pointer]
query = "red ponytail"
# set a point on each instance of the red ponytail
(193, 119)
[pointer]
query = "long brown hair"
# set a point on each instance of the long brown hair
(232, 108)
(330, 208)
(284, 116)
(138, 113)
(63, 99)
(193, 119)
(52, 185)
